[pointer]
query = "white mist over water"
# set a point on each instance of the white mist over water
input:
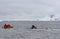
(29, 9)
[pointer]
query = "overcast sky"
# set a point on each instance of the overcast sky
(29, 9)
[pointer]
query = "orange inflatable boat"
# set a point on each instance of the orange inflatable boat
(7, 26)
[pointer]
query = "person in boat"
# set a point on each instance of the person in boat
(7, 26)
